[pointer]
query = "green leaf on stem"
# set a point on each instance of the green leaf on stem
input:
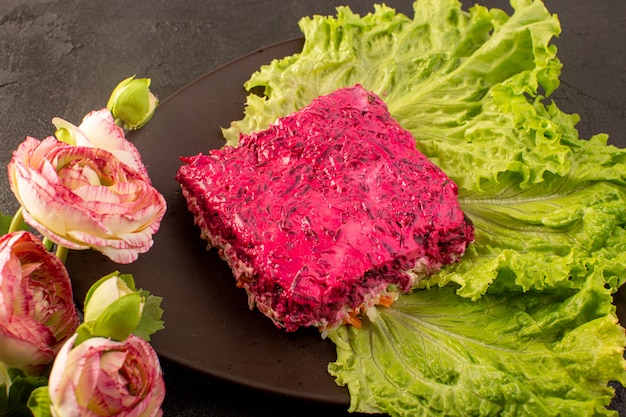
(14, 398)
(150, 321)
(39, 402)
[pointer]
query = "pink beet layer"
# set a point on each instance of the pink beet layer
(326, 210)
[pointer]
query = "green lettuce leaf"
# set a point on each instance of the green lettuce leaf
(548, 353)
(434, 71)
(467, 85)
(539, 230)
(524, 324)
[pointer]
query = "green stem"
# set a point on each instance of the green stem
(16, 221)
(62, 252)
(47, 243)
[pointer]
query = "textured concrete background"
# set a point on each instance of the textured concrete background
(63, 57)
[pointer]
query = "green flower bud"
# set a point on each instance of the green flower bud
(113, 308)
(105, 292)
(131, 103)
(120, 318)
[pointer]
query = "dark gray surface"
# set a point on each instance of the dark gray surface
(63, 57)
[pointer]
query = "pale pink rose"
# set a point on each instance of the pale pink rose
(98, 130)
(83, 197)
(101, 377)
(37, 312)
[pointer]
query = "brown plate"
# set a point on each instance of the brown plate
(209, 327)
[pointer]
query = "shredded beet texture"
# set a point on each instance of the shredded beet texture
(325, 209)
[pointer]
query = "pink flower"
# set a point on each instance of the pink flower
(84, 197)
(98, 130)
(37, 313)
(101, 377)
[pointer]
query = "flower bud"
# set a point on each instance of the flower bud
(106, 378)
(132, 102)
(37, 312)
(113, 308)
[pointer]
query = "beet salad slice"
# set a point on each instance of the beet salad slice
(328, 212)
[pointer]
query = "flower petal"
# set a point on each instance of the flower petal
(83, 197)
(36, 305)
(103, 377)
